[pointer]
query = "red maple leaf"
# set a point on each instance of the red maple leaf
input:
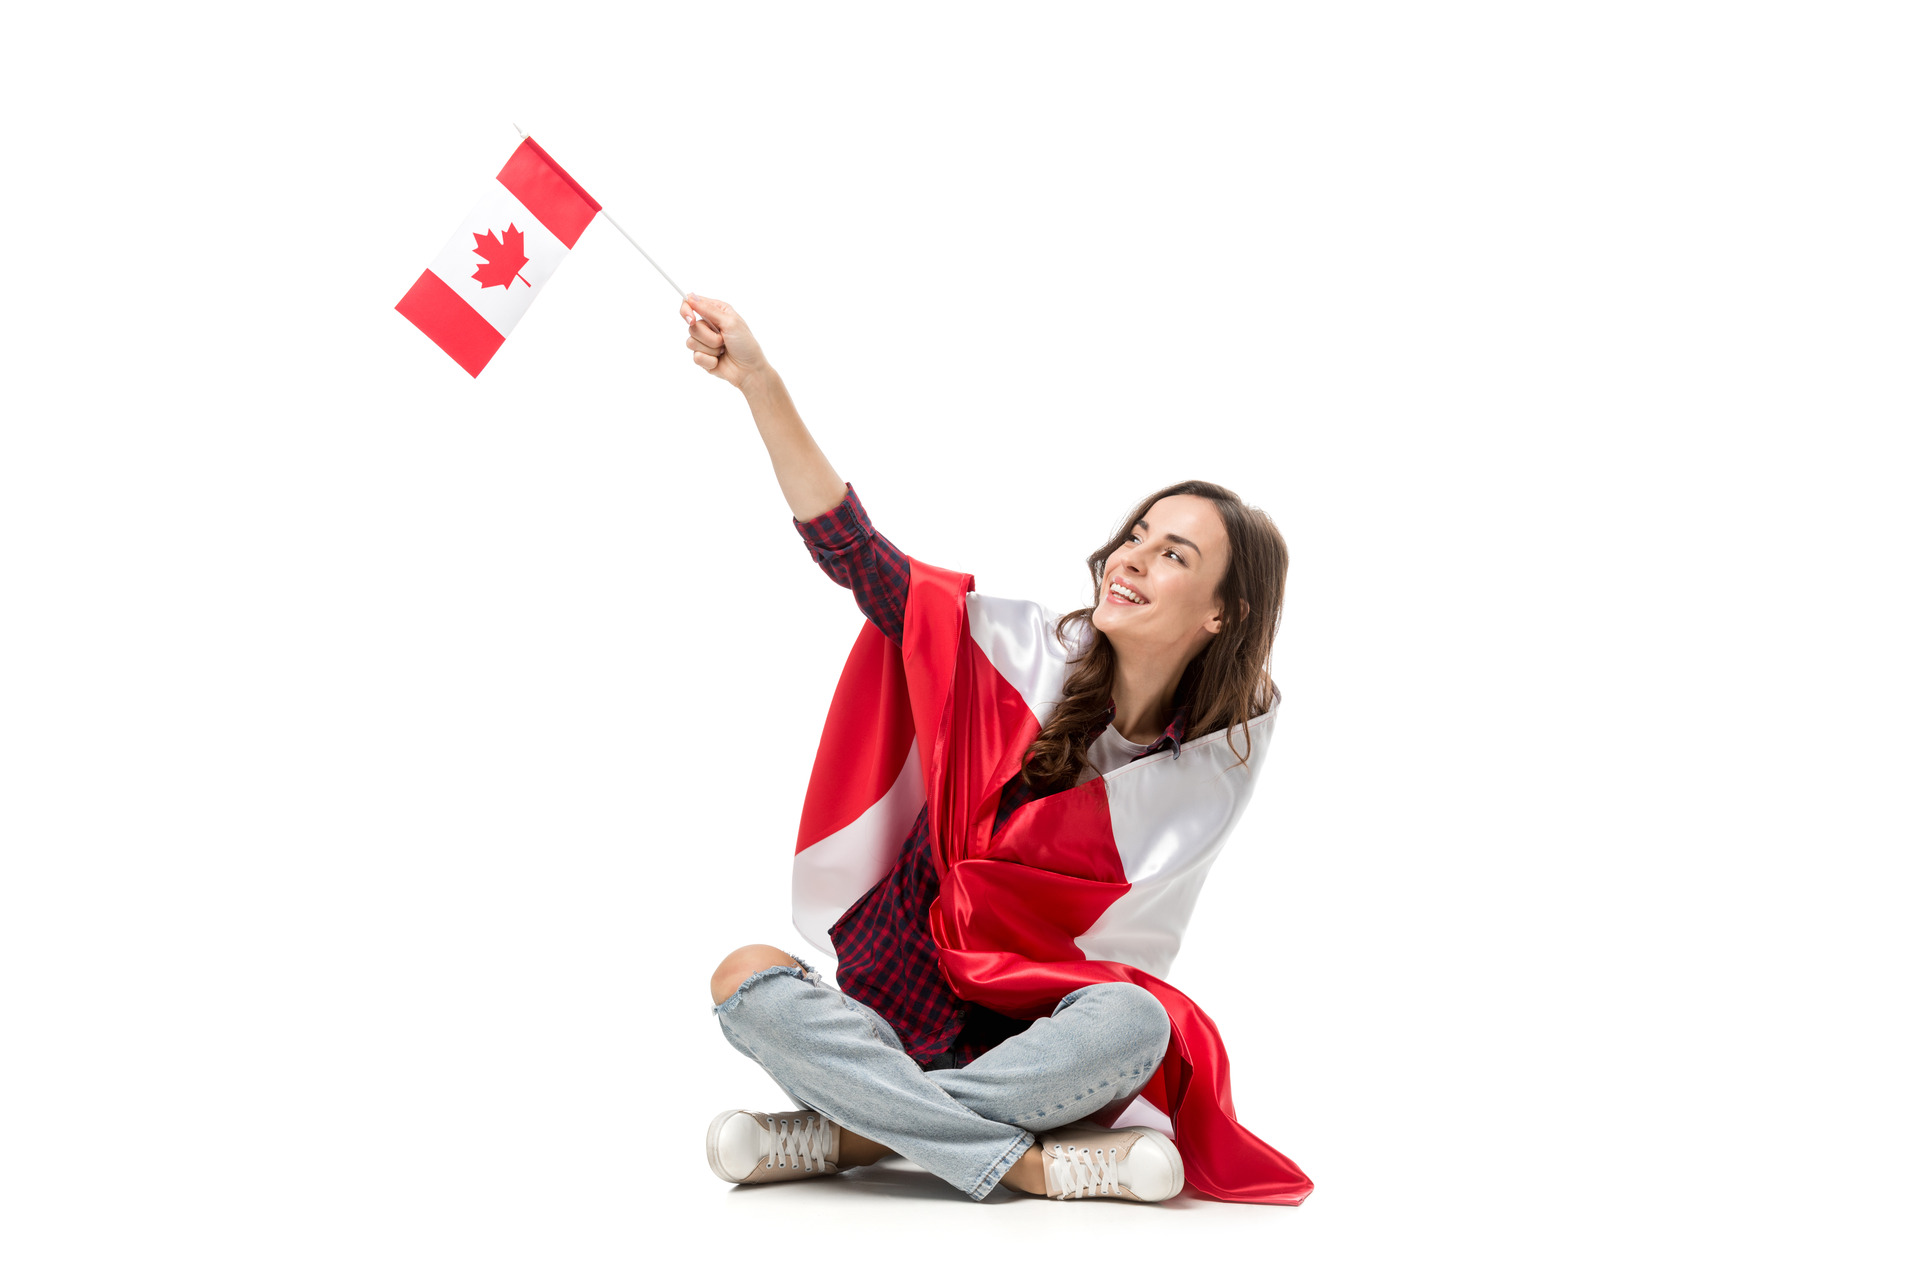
(503, 256)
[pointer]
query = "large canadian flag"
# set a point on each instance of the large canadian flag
(1152, 828)
(1093, 884)
(471, 295)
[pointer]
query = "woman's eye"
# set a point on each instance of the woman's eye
(1176, 556)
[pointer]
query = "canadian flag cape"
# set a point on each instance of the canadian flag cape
(1092, 884)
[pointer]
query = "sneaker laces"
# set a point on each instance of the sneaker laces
(1075, 1172)
(798, 1142)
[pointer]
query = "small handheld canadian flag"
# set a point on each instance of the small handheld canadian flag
(471, 295)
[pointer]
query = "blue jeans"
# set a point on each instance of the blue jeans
(833, 1055)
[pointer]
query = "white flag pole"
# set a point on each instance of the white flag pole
(678, 292)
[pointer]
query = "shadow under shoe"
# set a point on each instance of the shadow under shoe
(777, 1146)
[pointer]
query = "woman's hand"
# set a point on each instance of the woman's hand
(724, 346)
(720, 340)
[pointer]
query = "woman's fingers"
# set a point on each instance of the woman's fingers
(718, 315)
(694, 319)
(700, 328)
(710, 323)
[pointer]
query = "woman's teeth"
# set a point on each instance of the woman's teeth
(1125, 594)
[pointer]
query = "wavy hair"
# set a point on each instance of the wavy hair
(1226, 685)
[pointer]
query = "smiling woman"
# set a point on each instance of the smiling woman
(1009, 820)
(1191, 586)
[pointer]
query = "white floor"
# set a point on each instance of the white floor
(900, 1207)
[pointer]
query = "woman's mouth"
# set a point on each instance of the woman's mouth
(1120, 593)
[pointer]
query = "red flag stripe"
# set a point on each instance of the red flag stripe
(869, 732)
(549, 192)
(444, 316)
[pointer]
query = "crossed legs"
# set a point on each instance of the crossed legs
(973, 1126)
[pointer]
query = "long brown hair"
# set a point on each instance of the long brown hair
(1228, 683)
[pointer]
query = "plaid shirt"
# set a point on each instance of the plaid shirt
(887, 958)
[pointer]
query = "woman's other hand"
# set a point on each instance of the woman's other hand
(720, 340)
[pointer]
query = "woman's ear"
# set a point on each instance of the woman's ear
(1216, 622)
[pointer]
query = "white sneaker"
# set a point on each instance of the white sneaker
(758, 1146)
(1131, 1164)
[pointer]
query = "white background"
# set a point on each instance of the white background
(386, 757)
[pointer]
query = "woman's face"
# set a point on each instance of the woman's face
(1159, 593)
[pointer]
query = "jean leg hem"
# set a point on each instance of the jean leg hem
(991, 1178)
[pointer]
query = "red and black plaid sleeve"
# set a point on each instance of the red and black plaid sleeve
(844, 543)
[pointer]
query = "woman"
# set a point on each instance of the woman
(1001, 955)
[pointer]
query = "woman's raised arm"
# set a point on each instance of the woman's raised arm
(724, 346)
